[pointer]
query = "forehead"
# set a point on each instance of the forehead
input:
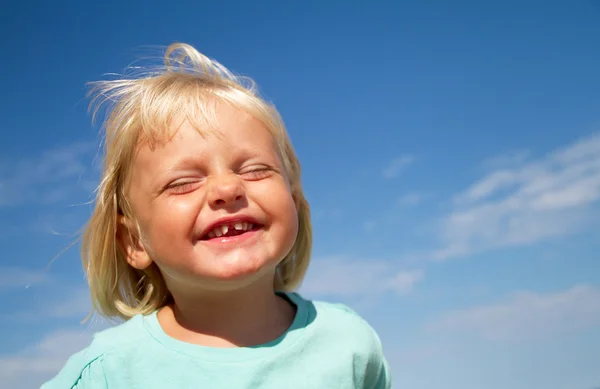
(228, 131)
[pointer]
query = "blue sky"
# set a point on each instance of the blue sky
(451, 155)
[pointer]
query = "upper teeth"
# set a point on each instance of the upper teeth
(224, 229)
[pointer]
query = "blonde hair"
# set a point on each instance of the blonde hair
(142, 109)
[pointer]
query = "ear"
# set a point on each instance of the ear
(131, 245)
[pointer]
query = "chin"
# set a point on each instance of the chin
(236, 281)
(241, 272)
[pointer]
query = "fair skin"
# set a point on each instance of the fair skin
(188, 191)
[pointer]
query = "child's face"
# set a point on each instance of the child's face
(214, 211)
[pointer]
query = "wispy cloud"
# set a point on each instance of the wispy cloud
(414, 355)
(548, 197)
(51, 177)
(397, 166)
(71, 303)
(528, 315)
(12, 277)
(506, 160)
(40, 361)
(43, 296)
(350, 277)
(408, 199)
(49, 298)
(76, 303)
(52, 302)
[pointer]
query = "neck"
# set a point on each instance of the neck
(243, 317)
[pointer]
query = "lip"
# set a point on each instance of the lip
(230, 220)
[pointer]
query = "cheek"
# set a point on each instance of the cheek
(293, 214)
(172, 222)
(279, 205)
(291, 223)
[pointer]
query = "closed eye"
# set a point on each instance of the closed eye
(256, 173)
(183, 187)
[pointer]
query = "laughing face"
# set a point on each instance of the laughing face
(215, 210)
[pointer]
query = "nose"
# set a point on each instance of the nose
(225, 189)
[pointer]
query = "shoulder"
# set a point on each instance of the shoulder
(348, 324)
(119, 336)
(344, 332)
(84, 369)
(339, 320)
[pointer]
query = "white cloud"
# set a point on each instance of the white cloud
(76, 304)
(50, 296)
(12, 277)
(348, 277)
(397, 166)
(528, 315)
(48, 178)
(53, 301)
(40, 361)
(549, 197)
(402, 282)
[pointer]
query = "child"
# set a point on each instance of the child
(199, 235)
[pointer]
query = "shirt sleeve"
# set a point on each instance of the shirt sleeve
(381, 378)
(79, 373)
(377, 375)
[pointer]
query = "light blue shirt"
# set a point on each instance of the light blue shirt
(327, 346)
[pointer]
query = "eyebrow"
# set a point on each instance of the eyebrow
(181, 164)
(190, 162)
(246, 154)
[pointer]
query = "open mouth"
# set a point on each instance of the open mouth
(230, 229)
